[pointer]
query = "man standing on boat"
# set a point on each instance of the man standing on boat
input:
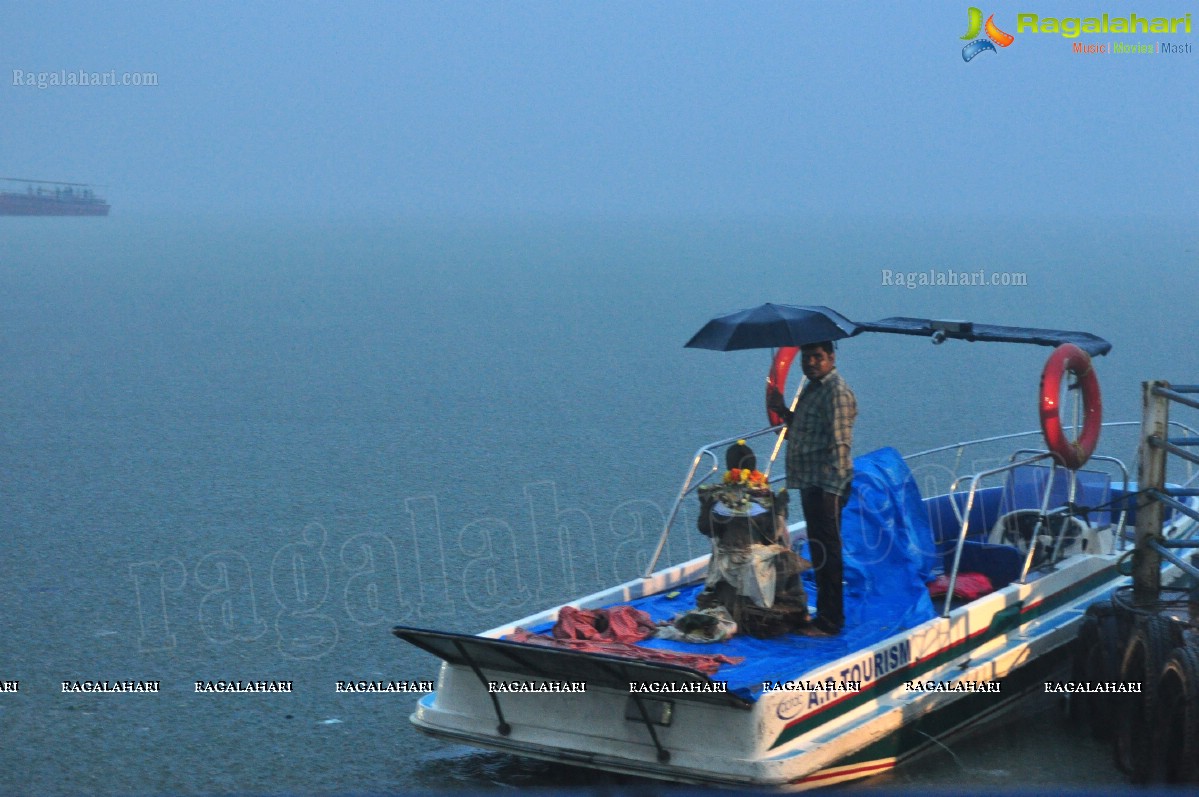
(819, 466)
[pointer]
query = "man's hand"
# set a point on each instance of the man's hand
(775, 402)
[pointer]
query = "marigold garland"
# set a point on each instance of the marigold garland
(753, 479)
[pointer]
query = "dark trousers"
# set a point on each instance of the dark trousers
(823, 512)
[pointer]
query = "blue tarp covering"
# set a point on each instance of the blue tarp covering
(888, 558)
(887, 542)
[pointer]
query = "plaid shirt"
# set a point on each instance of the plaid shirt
(820, 436)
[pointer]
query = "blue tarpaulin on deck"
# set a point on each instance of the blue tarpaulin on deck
(888, 558)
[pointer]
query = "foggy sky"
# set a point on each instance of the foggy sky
(411, 109)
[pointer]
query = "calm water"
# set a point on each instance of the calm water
(245, 450)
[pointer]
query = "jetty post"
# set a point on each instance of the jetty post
(1146, 560)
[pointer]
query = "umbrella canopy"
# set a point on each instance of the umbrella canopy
(772, 326)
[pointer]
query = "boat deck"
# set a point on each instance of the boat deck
(766, 660)
(875, 608)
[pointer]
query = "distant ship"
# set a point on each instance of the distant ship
(47, 198)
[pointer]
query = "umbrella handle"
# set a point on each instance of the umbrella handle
(778, 443)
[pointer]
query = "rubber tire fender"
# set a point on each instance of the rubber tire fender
(1098, 661)
(1068, 357)
(1126, 620)
(1136, 713)
(1176, 734)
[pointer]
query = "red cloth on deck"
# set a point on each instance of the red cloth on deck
(708, 664)
(618, 624)
(968, 586)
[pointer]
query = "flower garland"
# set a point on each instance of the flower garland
(738, 488)
(753, 479)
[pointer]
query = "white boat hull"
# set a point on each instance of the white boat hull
(788, 738)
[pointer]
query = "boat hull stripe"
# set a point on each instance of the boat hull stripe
(931, 661)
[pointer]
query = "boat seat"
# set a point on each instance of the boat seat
(1000, 563)
(1058, 535)
(1025, 489)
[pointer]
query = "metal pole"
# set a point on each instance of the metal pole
(653, 561)
(778, 442)
(1146, 561)
(957, 554)
(1193, 602)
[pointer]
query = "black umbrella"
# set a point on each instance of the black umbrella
(772, 326)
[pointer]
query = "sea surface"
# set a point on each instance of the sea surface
(244, 450)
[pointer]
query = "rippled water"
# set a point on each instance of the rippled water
(245, 450)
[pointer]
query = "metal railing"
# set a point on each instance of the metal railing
(1072, 490)
(964, 519)
(962, 446)
(690, 484)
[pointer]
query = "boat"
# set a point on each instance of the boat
(48, 198)
(909, 671)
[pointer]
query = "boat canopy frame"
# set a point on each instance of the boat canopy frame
(941, 330)
(938, 330)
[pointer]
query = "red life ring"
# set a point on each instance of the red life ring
(1071, 453)
(777, 380)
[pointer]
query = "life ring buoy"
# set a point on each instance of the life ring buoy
(776, 381)
(1073, 454)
